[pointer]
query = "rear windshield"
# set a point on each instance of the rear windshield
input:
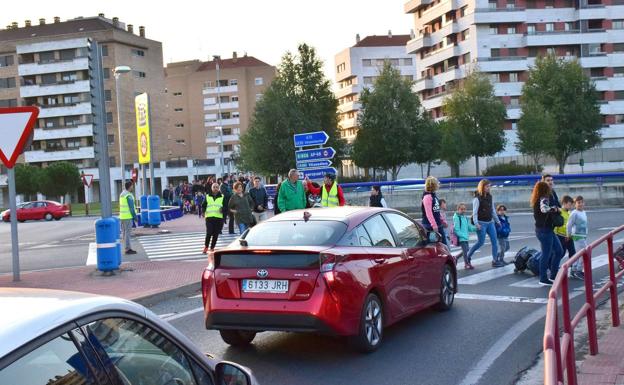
(296, 233)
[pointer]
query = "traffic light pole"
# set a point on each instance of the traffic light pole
(13, 214)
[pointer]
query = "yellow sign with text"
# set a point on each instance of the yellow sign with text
(141, 105)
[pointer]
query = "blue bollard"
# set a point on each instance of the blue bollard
(118, 232)
(106, 241)
(144, 211)
(153, 208)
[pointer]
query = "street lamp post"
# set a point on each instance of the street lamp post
(117, 72)
(219, 127)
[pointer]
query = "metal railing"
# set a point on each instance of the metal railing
(559, 355)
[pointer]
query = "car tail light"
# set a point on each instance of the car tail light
(328, 263)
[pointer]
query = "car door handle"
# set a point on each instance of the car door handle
(380, 260)
(408, 255)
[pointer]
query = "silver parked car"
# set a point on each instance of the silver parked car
(61, 337)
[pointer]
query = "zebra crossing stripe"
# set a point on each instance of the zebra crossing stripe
(180, 246)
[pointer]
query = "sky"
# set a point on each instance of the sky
(265, 29)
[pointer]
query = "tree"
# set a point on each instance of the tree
(298, 100)
(390, 123)
(60, 178)
(428, 143)
(27, 179)
(560, 87)
(453, 149)
(536, 132)
(479, 114)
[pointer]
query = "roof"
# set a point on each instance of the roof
(343, 213)
(383, 41)
(78, 25)
(245, 61)
(30, 313)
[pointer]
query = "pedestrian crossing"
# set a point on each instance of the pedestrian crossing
(180, 246)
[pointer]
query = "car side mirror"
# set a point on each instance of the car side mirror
(434, 237)
(229, 373)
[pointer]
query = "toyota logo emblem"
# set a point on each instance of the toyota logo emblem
(262, 273)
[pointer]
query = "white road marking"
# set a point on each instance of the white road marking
(195, 296)
(607, 228)
(92, 256)
(485, 276)
(501, 298)
(170, 318)
(180, 246)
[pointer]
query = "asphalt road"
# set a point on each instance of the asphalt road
(491, 335)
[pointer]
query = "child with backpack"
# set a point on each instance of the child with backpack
(459, 236)
(577, 230)
(502, 232)
(562, 231)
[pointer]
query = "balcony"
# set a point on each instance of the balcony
(211, 139)
(348, 123)
(211, 154)
(612, 107)
(83, 108)
(56, 155)
(54, 45)
(223, 122)
(58, 133)
(503, 63)
(613, 131)
(452, 73)
(514, 112)
(440, 55)
(499, 15)
(347, 90)
(413, 5)
(61, 88)
(349, 106)
(423, 84)
(76, 64)
(220, 90)
(438, 10)
(415, 45)
(573, 37)
(435, 101)
(224, 106)
(508, 89)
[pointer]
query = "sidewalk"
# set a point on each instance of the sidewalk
(607, 367)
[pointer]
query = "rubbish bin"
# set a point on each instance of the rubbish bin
(153, 208)
(144, 211)
(106, 242)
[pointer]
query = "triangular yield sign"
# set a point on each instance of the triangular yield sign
(16, 125)
(87, 179)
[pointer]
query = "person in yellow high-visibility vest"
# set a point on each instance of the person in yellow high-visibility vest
(331, 193)
(213, 209)
(127, 214)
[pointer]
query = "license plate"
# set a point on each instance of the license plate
(265, 286)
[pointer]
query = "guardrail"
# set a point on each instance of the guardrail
(559, 356)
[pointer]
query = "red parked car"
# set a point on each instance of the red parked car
(347, 271)
(47, 210)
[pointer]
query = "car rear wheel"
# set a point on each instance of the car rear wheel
(370, 333)
(447, 289)
(48, 217)
(57, 218)
(237, 337)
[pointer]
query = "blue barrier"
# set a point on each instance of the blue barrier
(153, 210)
(106, 243)
(144, 211)
(118, 234)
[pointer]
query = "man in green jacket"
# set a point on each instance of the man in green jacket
(291, 193)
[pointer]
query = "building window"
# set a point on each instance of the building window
(235, 115)
(109, 117)
(108, 96)
(618, 24)
(72, 121)
(531, 29)
(514, 102)
(511, 4)
(138, 52)
(258, 97)
(366, 63)
(550, 3)
(234, 98)
(179, 125)
(512, 52)
(233, 82)
(511, 30)
(407, 62)
(493, 29)
(618, 47)
(68, 54)
(394, 62)
(259, 81)
(513, 77)
(495, 52)
(46, 57)
(341, 67)
(106, 73)
(618, 95)
(71, 99)
(465, 34)
(551, 51)
(69, 76)
(111, 139)
(228, 147)
(494, 78)
(492, 4)
(550, 27)
(139, 74)
(177, 94)
(52, 122)
(368, 80)
(72, 143)
(618, 72)
(48, 79)
(619, 119)
(104, 50)
(7, 82)
(6, 61)
(514, 124)
(178, 109)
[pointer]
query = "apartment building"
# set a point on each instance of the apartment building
(357, 67)
(503, 38)
(202, 101)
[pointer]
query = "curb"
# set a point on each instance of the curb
(168, 294)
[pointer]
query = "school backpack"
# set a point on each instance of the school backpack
(522, 258)
(534, 262)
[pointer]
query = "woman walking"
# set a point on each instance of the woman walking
(213, 209)
(240, 204)
(376, 197)
(544, 215)
(485, 219)
(430, 208)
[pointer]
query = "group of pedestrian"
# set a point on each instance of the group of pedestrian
(292, 194)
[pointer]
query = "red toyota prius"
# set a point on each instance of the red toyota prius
(348, 271)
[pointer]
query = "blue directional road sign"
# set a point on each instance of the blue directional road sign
(315, 154)
(318, 173)
(311, 139)
(314, 164)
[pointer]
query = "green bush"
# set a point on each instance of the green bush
(512, 168)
